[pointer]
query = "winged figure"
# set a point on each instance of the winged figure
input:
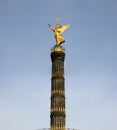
(58, 30)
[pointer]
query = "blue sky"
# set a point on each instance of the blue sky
(90, 63)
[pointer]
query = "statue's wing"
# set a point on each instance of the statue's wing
(63, 28)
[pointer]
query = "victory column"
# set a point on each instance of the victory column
(58, 113)
(57, 110)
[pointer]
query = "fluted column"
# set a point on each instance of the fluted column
(57, 113)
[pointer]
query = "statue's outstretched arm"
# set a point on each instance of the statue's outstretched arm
(50, 27)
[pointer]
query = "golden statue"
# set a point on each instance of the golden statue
(58, 30)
